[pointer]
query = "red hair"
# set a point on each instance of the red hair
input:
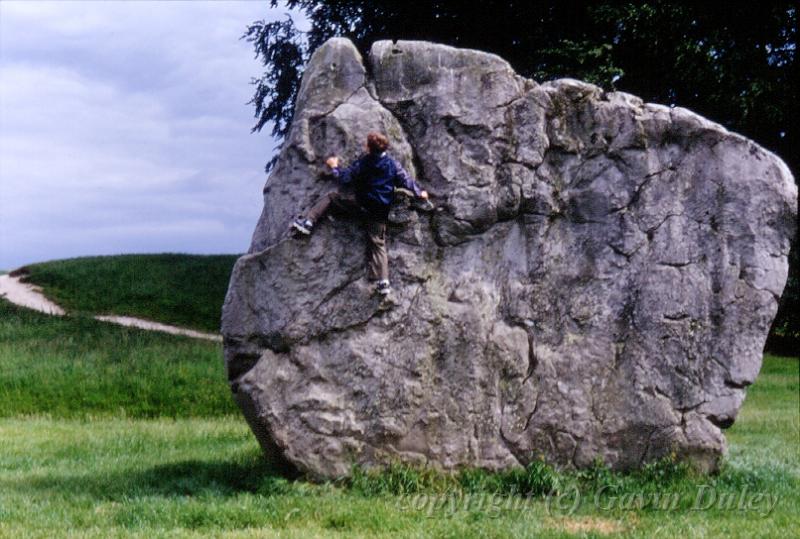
(377, 142)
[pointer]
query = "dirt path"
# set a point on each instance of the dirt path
(27, 295)
(31, 297)
(157, 326)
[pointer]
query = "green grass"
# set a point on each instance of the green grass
(76, 366)
(185, 290)
(81, 457)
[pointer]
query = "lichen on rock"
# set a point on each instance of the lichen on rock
(597, 282)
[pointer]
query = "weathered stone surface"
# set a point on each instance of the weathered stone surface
(597, 282)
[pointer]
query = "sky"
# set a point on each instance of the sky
(125, 128)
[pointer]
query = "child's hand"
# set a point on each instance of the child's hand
(332, 162)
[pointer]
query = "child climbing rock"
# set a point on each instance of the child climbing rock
(369, 184)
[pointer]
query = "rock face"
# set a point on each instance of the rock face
(597, 281)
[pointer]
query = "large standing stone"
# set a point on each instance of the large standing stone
(598, 281)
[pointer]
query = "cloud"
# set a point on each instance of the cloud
(124, 128)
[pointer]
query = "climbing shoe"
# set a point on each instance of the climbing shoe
(303, 226)
(383, 288)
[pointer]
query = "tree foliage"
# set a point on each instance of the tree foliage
(731, 62)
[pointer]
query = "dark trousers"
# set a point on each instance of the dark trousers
(377, 257)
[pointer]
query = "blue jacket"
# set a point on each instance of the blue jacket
(373, 177)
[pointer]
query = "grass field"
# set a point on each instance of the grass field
(76, 367)
(112, 432)
(185, 290)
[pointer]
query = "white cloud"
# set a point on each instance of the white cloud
(124, 128)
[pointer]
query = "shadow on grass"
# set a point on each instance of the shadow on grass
(214, 478)
(253, 474)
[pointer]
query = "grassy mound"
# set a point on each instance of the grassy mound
(184, 290)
